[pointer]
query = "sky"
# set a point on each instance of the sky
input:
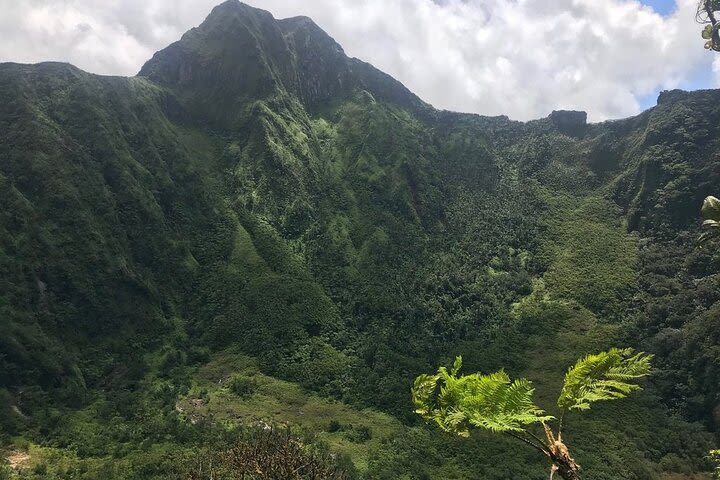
(521, 58)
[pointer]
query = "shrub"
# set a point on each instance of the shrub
(242, 386)
(272, 453)
(334, 426)
(359, 434)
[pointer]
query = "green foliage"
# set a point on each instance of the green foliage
(354, 433)
(715, 458)
(604, 376)
(286, 202)
(493, 402)
(5, 472)
(242, 386)
(316, 365)
(711, 216)
(592, 259)
(711, 209)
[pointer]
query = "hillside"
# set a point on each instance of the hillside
(256, 203)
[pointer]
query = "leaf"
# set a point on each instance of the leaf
(711, 209)
(422, 393)
(715, 458)
(605, 376)
(707, 32)
(457, 364)
(493, 402)
(711, 224)
(705, 237)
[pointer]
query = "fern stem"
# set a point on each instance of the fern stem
(525, 440)
(540, 440)
(560, 426)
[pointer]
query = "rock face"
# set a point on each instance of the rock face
(668, 96)
(569, 121)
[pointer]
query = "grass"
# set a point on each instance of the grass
(279, 402)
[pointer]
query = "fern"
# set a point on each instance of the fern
(715, 458)
(605, 376)
(711, 217)
(493, 402)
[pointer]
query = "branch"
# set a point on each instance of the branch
(711, 16)
(709, 11)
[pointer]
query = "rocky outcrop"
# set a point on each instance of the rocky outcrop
(569, 121)
(669, 96)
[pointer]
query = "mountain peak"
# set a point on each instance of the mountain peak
(241, 52)
(236, 6)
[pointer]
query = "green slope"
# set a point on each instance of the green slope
(255, 191)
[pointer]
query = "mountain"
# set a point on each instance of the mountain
(257, 56)
(255, 208)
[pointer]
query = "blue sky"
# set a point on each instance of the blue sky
(699, 79)
(663, 7)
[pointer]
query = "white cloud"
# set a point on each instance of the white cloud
(522, 58)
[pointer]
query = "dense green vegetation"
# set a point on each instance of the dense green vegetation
(258, 209)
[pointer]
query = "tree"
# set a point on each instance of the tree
(707, 13)
(459, 403)
(711, 219)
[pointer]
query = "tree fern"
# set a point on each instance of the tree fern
(605, 376)
(493, 402)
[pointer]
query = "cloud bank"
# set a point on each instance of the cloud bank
(521, 58)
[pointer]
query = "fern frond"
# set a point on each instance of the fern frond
(711, 209)
(715, 458)
(711, 216)
(493, 402)
(605, 376)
